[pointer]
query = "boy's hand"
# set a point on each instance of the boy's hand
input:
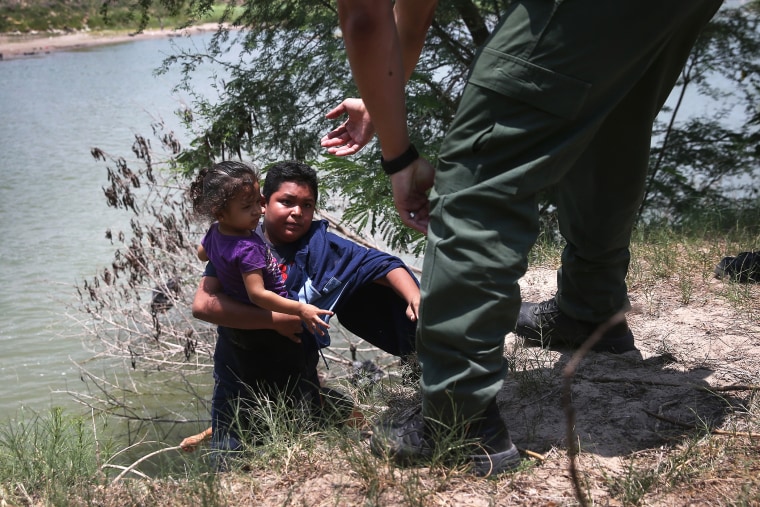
(287, 325)
(413, 310)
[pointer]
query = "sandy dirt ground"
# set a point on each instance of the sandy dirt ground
(632, 405)
(35, 45)
(696, 373)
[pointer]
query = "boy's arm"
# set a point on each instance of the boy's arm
(405, 286)
(212, 305)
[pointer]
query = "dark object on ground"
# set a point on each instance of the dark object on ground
(744, 268)
(366, 373)
(163, 297)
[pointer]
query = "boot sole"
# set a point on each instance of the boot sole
(617, 345)
(485, 465)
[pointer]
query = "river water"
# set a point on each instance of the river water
(53, 109)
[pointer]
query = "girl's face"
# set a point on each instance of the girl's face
(288, 213)
(242, 213)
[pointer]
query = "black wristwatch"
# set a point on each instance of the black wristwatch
(401, 162)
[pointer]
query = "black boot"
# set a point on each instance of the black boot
(545, 325)
(409, 438)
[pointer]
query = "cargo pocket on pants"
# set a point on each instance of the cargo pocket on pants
(544, 89)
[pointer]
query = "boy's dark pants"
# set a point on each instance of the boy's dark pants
(563, 95)
(269, 366)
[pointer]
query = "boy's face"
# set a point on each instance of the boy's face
(288, 213)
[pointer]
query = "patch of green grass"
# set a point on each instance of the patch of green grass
(715, 467)
(532, 368)
(73, 15)
(47, 457)
(641, 479)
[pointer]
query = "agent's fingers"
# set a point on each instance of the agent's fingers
(417, 220)
(337, 111)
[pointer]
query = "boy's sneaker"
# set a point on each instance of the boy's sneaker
(408, 438)
(544, 324)
(402, 437)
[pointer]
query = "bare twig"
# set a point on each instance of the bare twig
(131, 467)
(713, 431)
(121, 467)
(733, 387)
(634, 381)
(352, 235)
(533, 454)
(20, 487)
(568, 374)
(95, 437)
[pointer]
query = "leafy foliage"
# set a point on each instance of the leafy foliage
(710, 161)
(47, 456)
(289, 69)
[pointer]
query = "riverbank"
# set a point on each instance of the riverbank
(34, 45)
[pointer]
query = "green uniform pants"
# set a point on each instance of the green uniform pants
(563, 94)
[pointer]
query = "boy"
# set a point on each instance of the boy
(373, 294)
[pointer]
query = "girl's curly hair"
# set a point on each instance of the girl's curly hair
(214, 187)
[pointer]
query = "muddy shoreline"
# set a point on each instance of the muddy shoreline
(34, 45)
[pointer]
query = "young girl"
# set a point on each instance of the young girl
(229, 193)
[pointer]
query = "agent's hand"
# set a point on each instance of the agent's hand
(410, 193)
(354, 133)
